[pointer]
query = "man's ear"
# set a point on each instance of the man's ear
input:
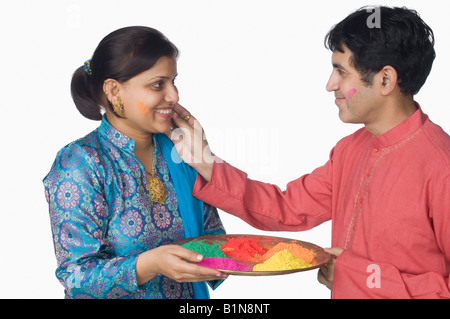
(387, 79)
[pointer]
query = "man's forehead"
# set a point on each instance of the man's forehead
(341, 59)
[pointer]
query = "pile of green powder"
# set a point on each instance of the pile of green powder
(205, 249)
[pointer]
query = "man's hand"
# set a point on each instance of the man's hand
(190, 142)
(326, 273)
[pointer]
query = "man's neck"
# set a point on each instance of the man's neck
(392, 114)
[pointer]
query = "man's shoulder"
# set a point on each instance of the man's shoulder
(358, 137)
(438, 141)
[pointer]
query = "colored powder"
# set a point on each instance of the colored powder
(282, 260)
(243, 248)
(205, 249)
(297, 250)
(223, 263)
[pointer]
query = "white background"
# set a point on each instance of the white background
(252, 72)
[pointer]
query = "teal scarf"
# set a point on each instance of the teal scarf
(191, 209)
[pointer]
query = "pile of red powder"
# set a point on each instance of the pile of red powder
(243, 248)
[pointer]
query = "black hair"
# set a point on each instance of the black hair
(121, 55)
(401, 39)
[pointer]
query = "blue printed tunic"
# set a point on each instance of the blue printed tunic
(102, 218)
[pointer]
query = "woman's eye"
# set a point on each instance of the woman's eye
(157, 85)
(160, 84)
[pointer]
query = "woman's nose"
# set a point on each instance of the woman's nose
(172, 95)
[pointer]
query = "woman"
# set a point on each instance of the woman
(118, 197)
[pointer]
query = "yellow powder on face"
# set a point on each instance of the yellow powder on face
(297, 250)
(282, 260)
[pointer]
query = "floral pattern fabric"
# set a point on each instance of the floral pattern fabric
(102, 218)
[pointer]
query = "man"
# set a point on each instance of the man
(386, 188)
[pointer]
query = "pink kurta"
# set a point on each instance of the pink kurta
(389, 201)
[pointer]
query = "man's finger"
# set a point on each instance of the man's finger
(182, 112)
(322, 278)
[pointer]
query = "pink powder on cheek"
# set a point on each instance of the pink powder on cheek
(350, 93)
(223, 263)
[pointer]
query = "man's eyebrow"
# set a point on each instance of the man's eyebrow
(338, 66)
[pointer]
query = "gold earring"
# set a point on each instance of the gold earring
(118, 107)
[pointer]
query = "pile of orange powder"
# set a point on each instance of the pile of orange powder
(283, 256)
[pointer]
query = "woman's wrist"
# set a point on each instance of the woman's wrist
(145, 268)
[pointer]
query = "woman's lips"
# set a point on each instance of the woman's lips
(166, 113)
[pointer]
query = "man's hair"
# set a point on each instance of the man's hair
(401, 39)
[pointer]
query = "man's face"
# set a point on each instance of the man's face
(357, 102)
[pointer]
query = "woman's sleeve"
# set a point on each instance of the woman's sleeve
(79, 217)
(213, 224)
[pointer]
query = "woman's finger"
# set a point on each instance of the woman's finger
(186, 254)
(188, 270)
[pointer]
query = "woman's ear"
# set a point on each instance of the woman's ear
(111, 90)
(388, 80)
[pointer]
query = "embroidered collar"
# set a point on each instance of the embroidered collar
(404, 130)
(114, 136)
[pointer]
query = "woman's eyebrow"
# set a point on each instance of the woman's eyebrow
(162, 77)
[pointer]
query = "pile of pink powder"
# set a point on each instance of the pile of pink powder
(224, 263)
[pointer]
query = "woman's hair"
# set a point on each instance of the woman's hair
(121, 55)
(401, 39)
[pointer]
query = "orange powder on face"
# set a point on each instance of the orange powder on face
(243, 248)
(297, 250)
(142, 108)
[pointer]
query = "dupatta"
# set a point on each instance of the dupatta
(191, 208)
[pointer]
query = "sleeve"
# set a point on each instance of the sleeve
(213, 224)
(78, 214)
(305, 203)
(357, 277)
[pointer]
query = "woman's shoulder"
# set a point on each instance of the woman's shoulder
(76, 159)
(84, 148)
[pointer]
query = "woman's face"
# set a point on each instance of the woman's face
(148, 98)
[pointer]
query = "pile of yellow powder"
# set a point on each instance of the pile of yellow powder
(282, 260)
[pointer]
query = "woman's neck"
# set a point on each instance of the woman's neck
(144, 141)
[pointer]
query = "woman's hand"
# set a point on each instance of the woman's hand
(190, 142)
(175, 262)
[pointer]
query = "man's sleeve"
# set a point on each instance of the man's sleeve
(305, 203)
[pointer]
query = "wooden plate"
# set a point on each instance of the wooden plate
(320, 256)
